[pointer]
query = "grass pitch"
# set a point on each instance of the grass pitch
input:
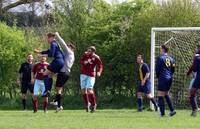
(101, 119)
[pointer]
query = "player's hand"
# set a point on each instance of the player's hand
(32, 81)
(18, 82)
(57, 34)
(143, 82)
(85, 62)
(98, 74)
(37, 51)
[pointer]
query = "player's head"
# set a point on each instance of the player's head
(163, 49)
(29, 57)
(43, 58)
(197, 49)
(91, 50)
(71, 46)
(50, 37)
(140, 59)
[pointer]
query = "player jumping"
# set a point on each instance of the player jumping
(55, 66)
(38, 80)
(64, 73)
(145, 84)
(165, 67)
(88, 62)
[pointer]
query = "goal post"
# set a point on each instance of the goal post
(181, 42)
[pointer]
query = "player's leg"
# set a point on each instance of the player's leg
(91, 94)
(24, 93)
(170, 104)
(139, 101)
(193, 101)
(45, 98)
(84, 91)
(161, 102)
(35, 95)
(153, 100)
(60, 82)
(48, 81)
(147, 90)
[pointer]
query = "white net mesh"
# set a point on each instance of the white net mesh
(182, 48)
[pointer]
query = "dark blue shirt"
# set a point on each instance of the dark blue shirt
(143, 70)
(54, 51)
(26, 70)
(165, 67)
(196, 66)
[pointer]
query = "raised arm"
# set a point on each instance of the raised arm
(62, 43)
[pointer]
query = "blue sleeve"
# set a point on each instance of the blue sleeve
(145, 69)
(158, 66)
(194, 65)
(50, 51)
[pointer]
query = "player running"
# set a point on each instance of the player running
(165, 67)
(64, 73)
(55, 66)
(88, 62)
(24, 79)
(145, 84)
(196, 83)
(38, 80)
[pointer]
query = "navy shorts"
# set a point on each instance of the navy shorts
(145, 89)
(196, 83)
(164, 84)
(61, 79)
(25, 86)
(56, 65)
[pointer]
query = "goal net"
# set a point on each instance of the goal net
(181, 42)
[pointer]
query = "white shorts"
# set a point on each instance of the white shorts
(192, 81)
(87, 81)
(39, 87)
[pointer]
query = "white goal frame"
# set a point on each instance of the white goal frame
(153, 36)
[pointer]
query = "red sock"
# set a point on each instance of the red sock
(45, 105)
(35, 105)
(85, 99)
(92, 99)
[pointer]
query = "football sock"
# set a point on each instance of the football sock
(169, 103)
(24, 103)
(58, 98)
(161, 104)
(193, 102)
(154, 102)
(85, 99)
(92, 99)
(139, 101)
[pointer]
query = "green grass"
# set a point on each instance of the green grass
(102, 119)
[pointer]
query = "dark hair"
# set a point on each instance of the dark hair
(93, 48)
(165, 48)
(140, 55)
(50, 34)
(198, 48)
(29, 54)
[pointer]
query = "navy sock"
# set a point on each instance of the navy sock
(154, 102)
(48, 83)
(139, 101)
(169, 103)
(58, 98)
(24, 103)
(193, 102)
(161, 104)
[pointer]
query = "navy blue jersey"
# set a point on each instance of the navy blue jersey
(196, 66)
(165, 67)
(26, 70)
(143, 70)
(54, 51)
